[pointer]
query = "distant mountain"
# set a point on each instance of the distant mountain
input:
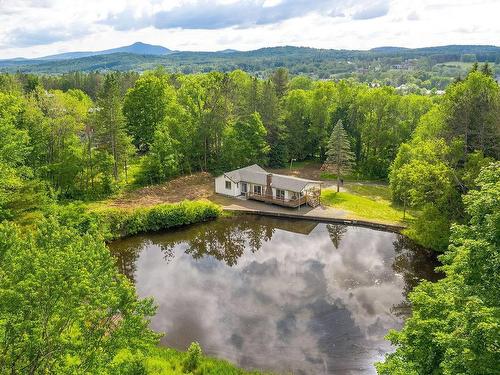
(229, 50)
(389, 49)
(137, 48)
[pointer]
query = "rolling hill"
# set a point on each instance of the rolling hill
(137, 48)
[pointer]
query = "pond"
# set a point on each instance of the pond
(274, 294)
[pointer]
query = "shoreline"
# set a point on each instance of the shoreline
(394, 228)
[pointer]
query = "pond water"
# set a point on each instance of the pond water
(274, 294)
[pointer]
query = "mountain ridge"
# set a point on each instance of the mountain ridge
(137, 48)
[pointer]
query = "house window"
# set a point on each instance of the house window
(228, 185)
(280, 194)
(257, 189)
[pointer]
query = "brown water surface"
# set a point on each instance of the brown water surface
(280, 295)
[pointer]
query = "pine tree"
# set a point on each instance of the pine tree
(485, 69)
(339, 155)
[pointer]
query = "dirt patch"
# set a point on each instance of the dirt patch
(196, 186)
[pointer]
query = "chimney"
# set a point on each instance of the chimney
(269, 183)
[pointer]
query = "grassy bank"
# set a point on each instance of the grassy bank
(369, 202)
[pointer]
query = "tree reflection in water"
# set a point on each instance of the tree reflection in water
(224, 239)
(414, 263)
(336, 232)
(227, 239)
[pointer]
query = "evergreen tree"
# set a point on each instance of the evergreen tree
(485, 69)
(280, 80)
(339, 155)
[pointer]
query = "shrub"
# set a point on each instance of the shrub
(114, 223)
(193, 358)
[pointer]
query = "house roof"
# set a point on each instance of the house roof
(256, 175)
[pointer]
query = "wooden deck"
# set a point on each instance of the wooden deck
(279, 201)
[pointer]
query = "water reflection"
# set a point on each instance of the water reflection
(278, 294)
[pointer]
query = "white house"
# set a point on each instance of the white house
(253, 182)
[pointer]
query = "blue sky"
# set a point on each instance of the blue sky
(33, 28)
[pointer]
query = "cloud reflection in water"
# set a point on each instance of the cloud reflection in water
(278, 295)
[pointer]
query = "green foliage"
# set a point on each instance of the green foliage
(245, 143)
(193, 358)
(163, 361)
(449, 147)
(145, 107)
(455, 324)
(472, 114)
(162, 162)
(110, 125)
(64, 308)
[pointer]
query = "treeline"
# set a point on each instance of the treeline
(455, 322)
(440, 163)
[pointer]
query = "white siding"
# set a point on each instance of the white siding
(220, 186)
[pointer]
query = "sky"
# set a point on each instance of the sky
(34, 28)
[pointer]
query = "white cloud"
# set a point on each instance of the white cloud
(43, 27)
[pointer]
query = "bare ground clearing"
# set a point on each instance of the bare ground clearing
(196, 186)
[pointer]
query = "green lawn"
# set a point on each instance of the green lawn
(372, 191)
(349, 177)
(366, 202)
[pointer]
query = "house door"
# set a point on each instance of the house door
(244, 188)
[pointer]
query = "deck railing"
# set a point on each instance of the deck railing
(275, 200)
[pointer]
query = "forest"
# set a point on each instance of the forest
(86, 136)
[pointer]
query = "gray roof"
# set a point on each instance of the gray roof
(256, 175)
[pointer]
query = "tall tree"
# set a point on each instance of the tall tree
(280, 80)
(296, 120)
(471, 111)
(339, 156)
(162, 161)
(245, 143)
(145, 107)
(110, 125)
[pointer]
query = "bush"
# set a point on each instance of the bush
(114, 223)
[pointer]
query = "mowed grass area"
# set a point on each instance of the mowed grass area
(324, 175)
(368, 202)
